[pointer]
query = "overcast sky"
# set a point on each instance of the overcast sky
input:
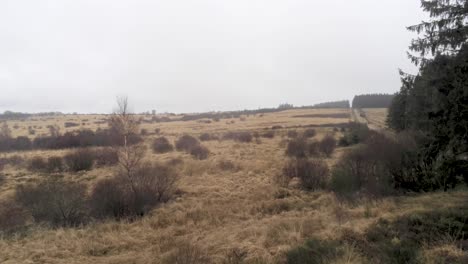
(199, 55)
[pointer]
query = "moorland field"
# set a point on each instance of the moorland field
(230, 205)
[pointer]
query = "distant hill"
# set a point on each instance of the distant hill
(373, 100)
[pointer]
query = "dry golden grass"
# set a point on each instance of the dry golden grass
(376, 117)
(216, 211)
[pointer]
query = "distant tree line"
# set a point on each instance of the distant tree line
(373, 100)
(73, 139)
(435, 101)
(334, 104)
(10, 115)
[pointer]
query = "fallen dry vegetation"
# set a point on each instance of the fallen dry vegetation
(227, 207)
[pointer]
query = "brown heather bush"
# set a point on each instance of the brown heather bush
(106, 157)
(162, 145)
(244, 137)
(375, 168)
(186, 143)
(121, 197)
(268, 134)
(297, 148)
(175, 162)
(327, 145)
(208, 137)
(292, 134)
(79, 160)
(54, 164)
(309, 133)
(71, 124)
(112, 198)
(37, 164)
(13, 217)
(313, 174)
(313, 148)
(55, 202)
(15, 160)
(200, 152)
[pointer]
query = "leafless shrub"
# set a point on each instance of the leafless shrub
(297, 148)
(312, 173)
(56, 202)
(13, 217)
(309, 133)
(186, 143)
(144, 132)
(79, 160)
(200, 152)
(112, 198)
(162, 145)
(106, 157)
(327, 145)
(124, 197)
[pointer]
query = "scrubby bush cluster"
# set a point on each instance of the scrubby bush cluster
(74, 139)
(192, 146)
(54, 202)
(200, 152)
(162, 145)
(384, 165)
(106, 156)
(60, 203)
(300, 147)
(313, 173)
(354, 134)
(268, 134)
(242, 136)
(74, 161)
(292, 134)
(309, 133)
(208, 137)
(71, 124)
(130, 196)
(13, 217)
(79, 160)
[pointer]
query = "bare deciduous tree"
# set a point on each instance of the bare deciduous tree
(125, 124)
